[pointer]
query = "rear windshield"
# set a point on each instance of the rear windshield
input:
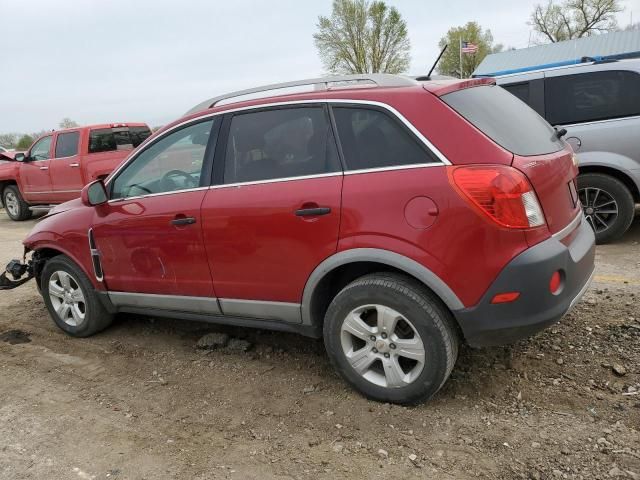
(120, 138)
(505, 119)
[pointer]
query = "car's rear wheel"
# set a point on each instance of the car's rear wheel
(607, 204)
(390, 338)
(71, 300)
(14, 204)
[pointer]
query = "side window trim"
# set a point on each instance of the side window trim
(206, 167)
(55, 147)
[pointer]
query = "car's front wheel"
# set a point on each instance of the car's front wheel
(607, 204)
(14, 204)
(390, 338)
(71, 300)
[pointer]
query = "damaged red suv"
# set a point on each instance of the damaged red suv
(392, 217)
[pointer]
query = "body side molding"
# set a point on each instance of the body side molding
(386, 257)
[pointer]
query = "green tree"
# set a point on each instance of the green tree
(556, 22)
(24, 142)
(66, 122)
(471, 32)
(363, 37)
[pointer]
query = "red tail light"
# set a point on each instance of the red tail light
(502, 193)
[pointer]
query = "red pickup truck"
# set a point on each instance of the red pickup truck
(60, 163)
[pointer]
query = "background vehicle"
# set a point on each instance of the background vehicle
(598, 103)
(59, 164)
(395, 221)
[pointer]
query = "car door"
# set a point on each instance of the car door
(34, 173)
(149, 234)
(64, 168)
(274, 213)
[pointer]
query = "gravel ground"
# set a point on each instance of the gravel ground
(140, 401)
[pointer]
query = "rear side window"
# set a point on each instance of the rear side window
(119, 138)
(588, 97)
(371, 138)
(281, 143)
(505, 119)
(67, 144)
(520, 90)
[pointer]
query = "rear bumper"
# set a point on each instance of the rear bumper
(488, 324)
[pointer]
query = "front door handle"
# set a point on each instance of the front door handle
(44, 168)
(74, 165)
(312, 212)
(183, 221)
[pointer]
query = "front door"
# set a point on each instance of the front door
(34, 174)
(149, 234)
(65, 168)
(275, 213)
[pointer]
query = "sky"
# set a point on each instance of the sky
(100, 61)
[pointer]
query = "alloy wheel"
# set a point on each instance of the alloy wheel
(11, 203)
(599, 207)
(67, 298)
(382, 345)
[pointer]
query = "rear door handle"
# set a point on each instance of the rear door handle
(74, 165)
(183, 221)
(44, 168)
(310, 212)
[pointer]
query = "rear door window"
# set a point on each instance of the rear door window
(505, 119)
(520, 90)
(67, 144)
(280, 143)
(117, 138)
(371, 138)
(588, 97)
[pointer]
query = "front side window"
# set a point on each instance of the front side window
(117, 138)
(173, 163)
(67, 144)
(588, 97)
(370, 138)
(280, 143)
(41, 149)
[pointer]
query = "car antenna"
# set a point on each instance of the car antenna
(428, 76)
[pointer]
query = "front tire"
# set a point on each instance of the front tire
(71, 300)
(14, 204)
(391, 338)
(607, 204)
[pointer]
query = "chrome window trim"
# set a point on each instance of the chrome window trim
(395, 167)
(276, 180)
(62, 158)
(172, 192)
(328, 101)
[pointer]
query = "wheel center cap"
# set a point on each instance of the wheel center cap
(590, 211)
(382, 346)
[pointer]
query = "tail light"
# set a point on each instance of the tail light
(502, 193)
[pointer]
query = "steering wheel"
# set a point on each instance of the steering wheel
(167, 183)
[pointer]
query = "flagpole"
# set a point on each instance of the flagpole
(460, 56)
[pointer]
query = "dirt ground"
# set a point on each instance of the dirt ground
(139, 401)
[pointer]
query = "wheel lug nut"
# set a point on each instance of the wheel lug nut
(374, 350)
(384, 335)
(386, 355)
(392, 346)
(372, 338)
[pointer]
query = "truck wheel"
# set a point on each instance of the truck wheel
(71, 300)
(16, 207)
(391, 338)
(607, 204)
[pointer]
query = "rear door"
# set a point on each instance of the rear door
(274, 212)
(34, 174)
(65, 169)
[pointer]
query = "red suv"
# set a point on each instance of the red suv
(393, 217)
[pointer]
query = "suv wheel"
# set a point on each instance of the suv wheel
(607, 204)
(16, 207)
(390, 338)
(71, 300)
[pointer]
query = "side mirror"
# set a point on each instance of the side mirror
(94, 194)
(20, 157)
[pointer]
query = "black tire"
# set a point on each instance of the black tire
(430, 319)
(618, 191)
(18, 209)
(96, 318)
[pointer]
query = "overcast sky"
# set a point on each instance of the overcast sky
(151, 60)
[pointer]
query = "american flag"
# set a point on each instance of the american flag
(468, 47)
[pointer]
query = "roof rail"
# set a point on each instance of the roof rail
(379, 79)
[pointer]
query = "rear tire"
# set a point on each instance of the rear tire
(14, 204)
(391, 338)
(71, 300)
(608, 205)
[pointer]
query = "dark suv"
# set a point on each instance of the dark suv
(392, 217)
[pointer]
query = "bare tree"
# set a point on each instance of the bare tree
(68, 123)
(571, 19)
(363, 37)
